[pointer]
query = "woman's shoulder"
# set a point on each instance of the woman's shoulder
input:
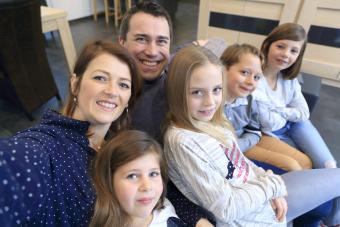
(53, 131)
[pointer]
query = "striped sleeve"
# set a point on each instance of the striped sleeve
(193, 172)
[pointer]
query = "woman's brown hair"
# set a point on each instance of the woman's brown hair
(125, 147)
(289, 31)
(91, 51)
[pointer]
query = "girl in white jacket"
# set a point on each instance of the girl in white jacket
(283, 109)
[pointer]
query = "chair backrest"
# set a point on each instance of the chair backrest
(27, 79)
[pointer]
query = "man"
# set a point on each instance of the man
(146, 31)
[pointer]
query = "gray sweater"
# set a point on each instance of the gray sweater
(243, 114)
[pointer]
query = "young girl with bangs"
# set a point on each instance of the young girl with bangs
(242, 63)
(130, 176)
(206, 164)
(283, 109)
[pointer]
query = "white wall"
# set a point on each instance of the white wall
(76, 8)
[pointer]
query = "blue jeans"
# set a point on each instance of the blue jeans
(305, 137)
(311, 218)
(308, 189)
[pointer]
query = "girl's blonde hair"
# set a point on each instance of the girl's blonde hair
(233, 54)
(289, 31)
(125, 147)
(177, 90)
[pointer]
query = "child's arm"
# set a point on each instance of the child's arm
(297, 108)
(252, 131)
(212, 190)
(270, 119)
(272, 106)
(244, 118)
(248, 139)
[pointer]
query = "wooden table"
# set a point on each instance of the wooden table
(55, 19)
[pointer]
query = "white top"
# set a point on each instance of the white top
(160, 217)
(221, 179)
(276, 107)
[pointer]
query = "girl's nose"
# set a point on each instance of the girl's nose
(145, 184)
(209, 99)
(285, 52)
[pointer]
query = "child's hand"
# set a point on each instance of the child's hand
(203, 223)
(269, 172)
(280, 207)
(200, 42)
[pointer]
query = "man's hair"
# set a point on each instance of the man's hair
(148, 7)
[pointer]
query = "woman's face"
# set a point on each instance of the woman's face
(104, 91)
(243, 77)
(205, 92)
(283, 53)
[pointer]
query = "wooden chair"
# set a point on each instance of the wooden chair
(116, 11)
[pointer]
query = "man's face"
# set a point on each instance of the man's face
(148, 40)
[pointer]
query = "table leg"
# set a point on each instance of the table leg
(67, 42)
(94, 4)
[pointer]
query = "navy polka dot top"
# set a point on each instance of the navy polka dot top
(45, 174)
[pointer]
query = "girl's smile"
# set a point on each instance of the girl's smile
(283, 53)
(205, 92)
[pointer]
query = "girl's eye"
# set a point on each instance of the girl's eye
(197, 93)
(217, 90)
(132, 176)
(280, 46)
(295, 51)
(257, 77)
(154, 174)
(124, 85)
(245, 73)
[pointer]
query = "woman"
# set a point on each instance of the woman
(44, 170)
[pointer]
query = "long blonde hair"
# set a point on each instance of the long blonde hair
(177, 86)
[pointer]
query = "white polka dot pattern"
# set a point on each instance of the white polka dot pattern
(45, 176)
